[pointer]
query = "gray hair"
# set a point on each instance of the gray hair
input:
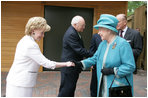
(76, 19)
(123, 16)
(111, 31)
(108, 30)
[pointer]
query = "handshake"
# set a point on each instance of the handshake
(69, 64)
(76, 64)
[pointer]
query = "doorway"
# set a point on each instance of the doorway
(59, 18)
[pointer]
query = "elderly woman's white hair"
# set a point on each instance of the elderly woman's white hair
(36, 23)
(76, 19)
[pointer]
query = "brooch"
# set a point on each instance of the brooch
(114, 45)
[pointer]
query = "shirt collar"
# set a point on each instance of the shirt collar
(125, 29)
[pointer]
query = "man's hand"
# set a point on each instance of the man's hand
(78, 64)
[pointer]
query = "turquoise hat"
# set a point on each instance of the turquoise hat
(107, 21)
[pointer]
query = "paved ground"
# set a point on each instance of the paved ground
(48, 84)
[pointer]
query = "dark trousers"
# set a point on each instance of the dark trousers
(68, 84)
(135, 72)
(93, 84)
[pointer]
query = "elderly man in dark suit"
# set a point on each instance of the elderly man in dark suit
(73, 50)
(132, 36)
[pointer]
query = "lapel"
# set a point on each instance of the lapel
(127, 33)
(81, 40)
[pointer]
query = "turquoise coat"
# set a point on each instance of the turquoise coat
(118, 55)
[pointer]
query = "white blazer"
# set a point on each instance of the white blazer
(27, 61)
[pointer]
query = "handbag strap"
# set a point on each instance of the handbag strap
(114, 79)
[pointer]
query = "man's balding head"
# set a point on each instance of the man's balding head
(122, 21)
(78, 23)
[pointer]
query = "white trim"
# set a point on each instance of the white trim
(105, 78)
(115, 72)
(103, 64)
(83, 65)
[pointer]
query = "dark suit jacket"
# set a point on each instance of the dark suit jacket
(135, 40)
(95, 41)
(73, 49)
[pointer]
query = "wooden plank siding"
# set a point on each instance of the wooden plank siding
(15, 14)
(140, 21)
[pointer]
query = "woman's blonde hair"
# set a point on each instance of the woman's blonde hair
(36, 23)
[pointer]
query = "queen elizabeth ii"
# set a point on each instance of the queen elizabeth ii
(114, 57)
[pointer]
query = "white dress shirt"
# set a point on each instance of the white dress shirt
(27, 61)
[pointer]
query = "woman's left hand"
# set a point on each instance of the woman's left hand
(107, 71)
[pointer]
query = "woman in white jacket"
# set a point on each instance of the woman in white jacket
(23, 73)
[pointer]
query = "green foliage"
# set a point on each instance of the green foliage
(132, 5)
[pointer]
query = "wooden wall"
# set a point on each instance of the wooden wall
(140, 21)
(15, 14)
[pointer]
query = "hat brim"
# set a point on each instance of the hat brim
(106, 26)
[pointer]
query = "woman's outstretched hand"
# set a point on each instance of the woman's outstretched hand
(69, 64)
